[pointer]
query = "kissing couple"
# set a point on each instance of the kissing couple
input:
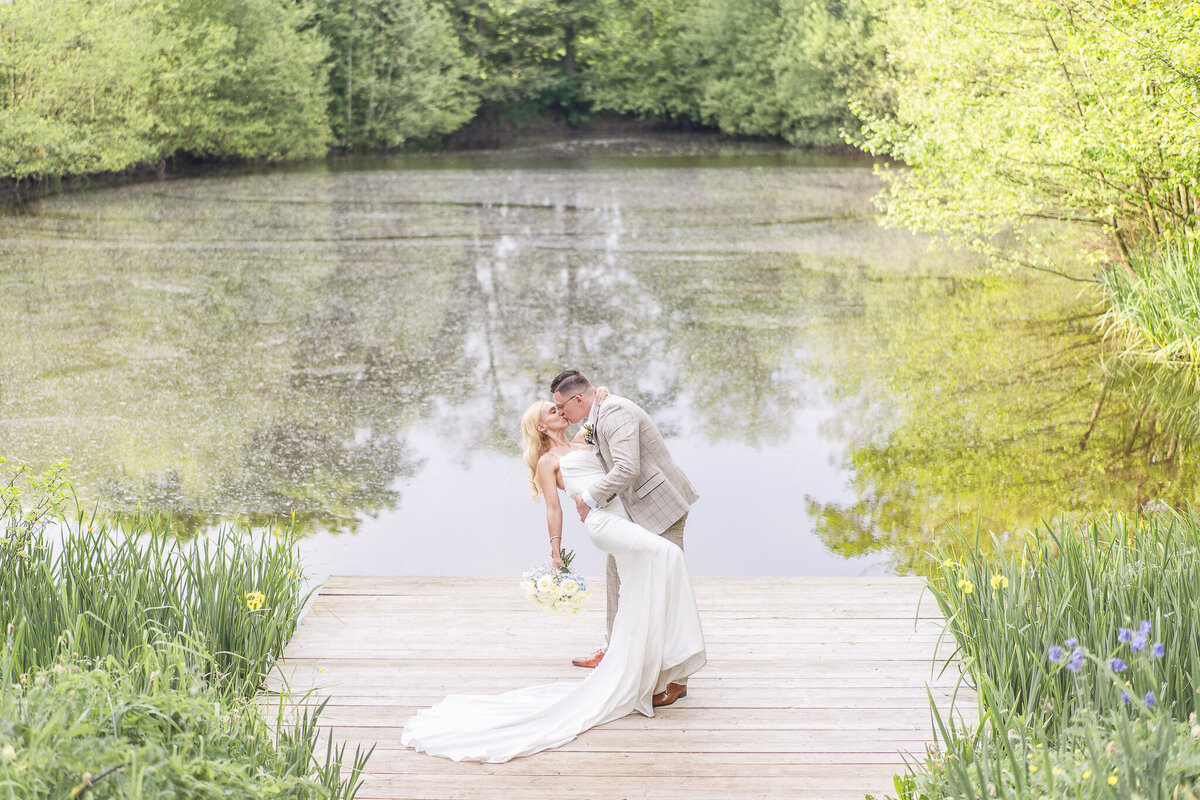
(633, 500)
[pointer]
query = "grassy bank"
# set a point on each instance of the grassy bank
(1084, 647)
(131, 660)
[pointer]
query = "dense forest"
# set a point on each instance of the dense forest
(92, 86)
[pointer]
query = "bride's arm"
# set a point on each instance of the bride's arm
(547, 479)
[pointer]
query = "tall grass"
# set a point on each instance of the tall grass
(132, 659)
(1037, 632)
(1153, 322)
(152, 727)
(1154, 309)
(112, 587)
(1081, 581)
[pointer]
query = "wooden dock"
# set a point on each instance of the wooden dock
(814, 687)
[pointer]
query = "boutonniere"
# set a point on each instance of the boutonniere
(589, 433)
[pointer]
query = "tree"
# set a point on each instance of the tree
(787, 68)
(1012, 113)
(74, 76)
(831, 55)
(239, 78)
(638, 60)
(91, 86)
(530, 52)
(396, 70)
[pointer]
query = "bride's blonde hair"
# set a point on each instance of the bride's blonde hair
(534, 444)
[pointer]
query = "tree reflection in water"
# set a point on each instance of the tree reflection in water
(322, 342)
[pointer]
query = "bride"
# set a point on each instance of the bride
(656, 637)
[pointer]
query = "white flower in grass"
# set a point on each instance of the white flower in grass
(8, 753)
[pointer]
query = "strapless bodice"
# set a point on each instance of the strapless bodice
(580, 469)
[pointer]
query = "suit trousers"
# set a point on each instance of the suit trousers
(613, 580)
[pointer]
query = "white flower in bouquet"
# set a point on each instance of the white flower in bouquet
(557, 590)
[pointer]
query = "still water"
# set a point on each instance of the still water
(355, 342)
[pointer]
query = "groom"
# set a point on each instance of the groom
(640, 471)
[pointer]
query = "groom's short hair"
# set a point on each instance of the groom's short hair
(570, 382)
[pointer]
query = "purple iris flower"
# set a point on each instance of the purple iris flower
(1139, 642)
(1159, 651)
(1144, 628)
(1125, 697)
(1072, 642)
(1117, 664)
(1056, 653)
(1149, 698)
(1124, 635)
(1076, 662)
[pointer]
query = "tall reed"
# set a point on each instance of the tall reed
(1154, 308)
(1082, 582)
(112, 586)
(1084, 646)
(132, 658)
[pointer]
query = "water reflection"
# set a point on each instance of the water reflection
(997, 415)
(355, 345)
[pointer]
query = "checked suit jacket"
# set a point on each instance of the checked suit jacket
(640, 470)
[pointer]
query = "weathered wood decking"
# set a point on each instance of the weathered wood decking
(813, 689)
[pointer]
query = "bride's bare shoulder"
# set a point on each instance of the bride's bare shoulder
(549, 460)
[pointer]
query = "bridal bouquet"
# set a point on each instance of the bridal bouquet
(554, 589)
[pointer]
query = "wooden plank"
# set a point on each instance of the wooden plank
(800, 653)
(396, 584)
(519, 610)
(379, 670)
(689, 717)
(565, 762)
(446, 684)
(814, 689)
(701, 696)
(816, 782)
(604, 739)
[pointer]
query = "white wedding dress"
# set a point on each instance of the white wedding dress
(656, 640)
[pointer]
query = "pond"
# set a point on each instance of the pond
(355, 341)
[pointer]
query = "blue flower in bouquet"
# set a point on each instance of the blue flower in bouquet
(556, 589)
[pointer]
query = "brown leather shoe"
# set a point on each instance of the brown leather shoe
(673, 692)
(589, 661)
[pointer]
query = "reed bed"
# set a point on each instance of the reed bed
(132, 659)
(1154, 308)
(113, 587)
(1084, 648)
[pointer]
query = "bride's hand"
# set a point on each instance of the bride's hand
(556, 561)
(602, 394)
